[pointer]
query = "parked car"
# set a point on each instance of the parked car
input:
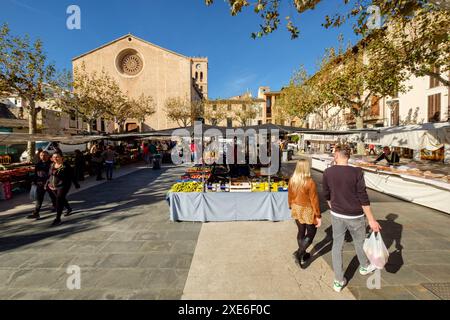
(50, 147)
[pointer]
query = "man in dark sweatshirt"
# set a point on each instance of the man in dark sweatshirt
(344, 189)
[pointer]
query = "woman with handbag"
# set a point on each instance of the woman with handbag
(60, 181)
(304, 203)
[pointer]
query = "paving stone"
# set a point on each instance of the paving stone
(38, 279)
(132, 279)
(122, 246)
(121, 261)
(184, 246)
(182, 235)
(88, 260)
(155, 260)
(387, 293)
(150, 235)
(48, 261)
(157, 246)
(436, 273)
(35, 295)
(123, 236)
(15, 260)
(168, 279)
(427, 257)
(421, 293)
(86, 246)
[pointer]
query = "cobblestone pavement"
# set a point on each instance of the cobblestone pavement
(120, 236)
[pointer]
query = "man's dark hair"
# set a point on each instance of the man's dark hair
(343, 150)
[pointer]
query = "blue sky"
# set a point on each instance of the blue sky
(237, 62)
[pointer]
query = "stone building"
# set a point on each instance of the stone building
(141, 67)
(235, 111)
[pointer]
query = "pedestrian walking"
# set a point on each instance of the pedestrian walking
(97, 165)
(80, 163)
(110, 158)
(37, 156)
(41, 175)
(372, 150)
(344, 189)
(94, 149)
(60, 182)
(146, 154)
(303, 201)
(153, 150)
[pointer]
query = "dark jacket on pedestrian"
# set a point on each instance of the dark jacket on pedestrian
(345, 188)
(62, 178)
(42, 173)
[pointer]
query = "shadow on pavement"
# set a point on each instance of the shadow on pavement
(392, 234)
(117, 196)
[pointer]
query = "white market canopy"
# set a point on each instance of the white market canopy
(430, 136)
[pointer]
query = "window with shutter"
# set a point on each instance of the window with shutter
(375, 107)
(433, 81)
(395, 115)
(434, 107)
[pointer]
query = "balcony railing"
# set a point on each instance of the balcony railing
(350, 118)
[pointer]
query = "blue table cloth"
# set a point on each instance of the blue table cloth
(229, 206)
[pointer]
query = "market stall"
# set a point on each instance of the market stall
(218, 193)
(414, 182)
(15, 179)
(225, 206)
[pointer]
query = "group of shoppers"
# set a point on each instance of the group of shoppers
(55, 176)
(102, 158)
(344, 190)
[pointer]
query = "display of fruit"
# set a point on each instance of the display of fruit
(274, 186)
(187, 187)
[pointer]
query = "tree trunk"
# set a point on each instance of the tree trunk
(89, 128)
(32, 119)
(361, 149)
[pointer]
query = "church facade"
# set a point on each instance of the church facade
(140, 67)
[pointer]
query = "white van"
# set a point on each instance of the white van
(50, 148)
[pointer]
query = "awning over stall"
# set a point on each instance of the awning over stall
(430, 136)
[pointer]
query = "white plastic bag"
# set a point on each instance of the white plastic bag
(33, 193)
(376, 250)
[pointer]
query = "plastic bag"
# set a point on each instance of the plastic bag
(33, 193)
(376, 250)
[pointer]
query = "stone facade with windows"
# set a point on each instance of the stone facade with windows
(141, 67)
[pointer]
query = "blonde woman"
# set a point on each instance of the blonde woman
(304, 204)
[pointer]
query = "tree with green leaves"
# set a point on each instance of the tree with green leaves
(360, 11)
(420, 45)
(25, 73)
(141, 107)
(183, 110)
(415, 31)
(214, 115)
(247, 113)
(91, 95)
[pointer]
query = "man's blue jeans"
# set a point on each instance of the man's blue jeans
(109, 170)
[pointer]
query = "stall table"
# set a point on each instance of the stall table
(426, 192)
(224, 206)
